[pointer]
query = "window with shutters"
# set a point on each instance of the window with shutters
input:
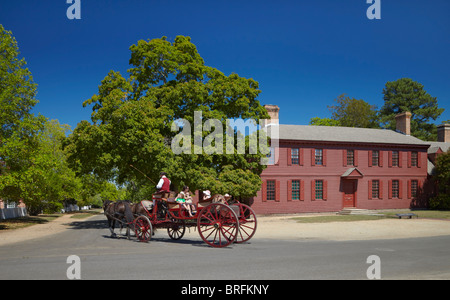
(375, 157)
(395, 159)
(295, 189)
(294, 156)
(414, 159)
(414, 188)
(375, 189)
(318, 157)
(350, 157)
(270, 190)
(319, 189)
(395, 189)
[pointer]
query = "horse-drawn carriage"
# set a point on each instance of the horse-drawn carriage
(218, 222)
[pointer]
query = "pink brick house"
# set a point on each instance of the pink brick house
(322, 168)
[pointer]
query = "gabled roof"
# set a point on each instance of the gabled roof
(435, 146)
(346, 134)
(352, 173)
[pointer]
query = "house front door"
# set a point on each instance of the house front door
(349, 189)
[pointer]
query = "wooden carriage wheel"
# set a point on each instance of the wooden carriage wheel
(143, 228)
(247, 223)
(176, 230)
(218, 225)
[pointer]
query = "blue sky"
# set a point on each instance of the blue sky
(304, 54)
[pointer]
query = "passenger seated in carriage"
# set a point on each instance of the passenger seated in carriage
(188, 198)
(227, 197)
(216, 198)
(182, 198)
(206, 195)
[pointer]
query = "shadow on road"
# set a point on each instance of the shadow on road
(161, 235)
(90, 224)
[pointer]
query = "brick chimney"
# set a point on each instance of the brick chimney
(403, 122)
(443, 132)
(273, 111)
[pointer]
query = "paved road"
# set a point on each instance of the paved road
(106, 258)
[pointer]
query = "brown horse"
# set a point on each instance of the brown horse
(137, 209)
(143, 208)
(118, 211)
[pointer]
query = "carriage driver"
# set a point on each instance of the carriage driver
(164, 183)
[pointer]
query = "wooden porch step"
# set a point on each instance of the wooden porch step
(354, 211)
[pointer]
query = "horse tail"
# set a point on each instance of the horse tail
(128, 212)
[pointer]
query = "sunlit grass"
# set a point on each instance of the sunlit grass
(382, 214)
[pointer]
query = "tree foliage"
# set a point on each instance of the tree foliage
(131, 122)
(407, 95)
(351, 112)
(18, 127)
(442, 178)
(33, 165)
(324, 122)
(17, 89)
(39, 175)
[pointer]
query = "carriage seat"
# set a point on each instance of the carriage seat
(170, 200)
(162, 195)
(165, 196)
(202, 203)
(172, 203)
(217, 198)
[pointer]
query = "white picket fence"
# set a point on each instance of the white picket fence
(74, 207)
(9, 213)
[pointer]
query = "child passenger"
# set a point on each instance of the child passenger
(182, 199)
(188, 198)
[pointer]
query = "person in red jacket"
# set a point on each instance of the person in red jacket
(163, 188)
(164, 183)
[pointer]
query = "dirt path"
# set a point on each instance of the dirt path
(280, 227)
(35, 231)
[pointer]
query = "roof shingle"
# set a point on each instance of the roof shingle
(345, 134)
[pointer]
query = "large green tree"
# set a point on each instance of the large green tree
(406, 94)
(133, 120)
(351, 112)
(442, 178)
(33, 166)
(17, 88)
(44, 179)
(19, 128)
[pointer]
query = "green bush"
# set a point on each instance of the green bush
(442, 201)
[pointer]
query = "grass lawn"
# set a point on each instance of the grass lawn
(421, 214)
(26, 221)
(336, 218)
